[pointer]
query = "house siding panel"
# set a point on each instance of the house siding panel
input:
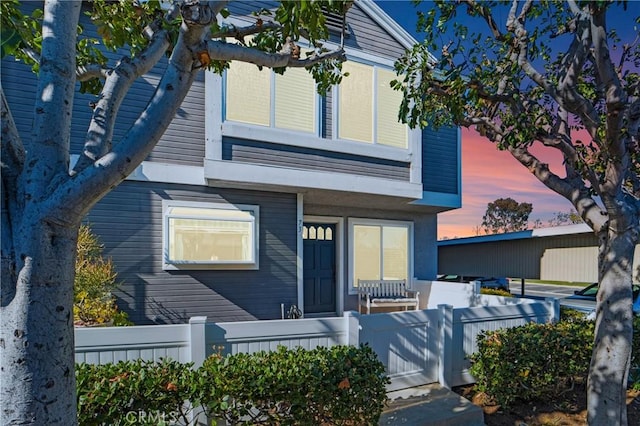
(182, 143)
(363, 33)
(367, 35)
(254, 152)
(152, 295)
(440, 160)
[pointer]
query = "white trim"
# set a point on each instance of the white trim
(415, 147)
(578, 228)
(376, 13)
(228, 172)
(379, 222)
(300, 250)
(199, 265)
(335, 119)
(307, 140)
(153, 171)
(340, 247)
(213, 113)
(150, 171)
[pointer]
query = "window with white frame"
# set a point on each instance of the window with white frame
(210, 235)
(368, 106)
(380, 250)
(262, 97)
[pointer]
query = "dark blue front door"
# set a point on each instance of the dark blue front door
(319, 270)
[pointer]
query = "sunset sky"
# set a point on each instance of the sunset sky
(488, 174)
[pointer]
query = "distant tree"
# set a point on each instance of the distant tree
(535, 77)
(565, 218)
(506, 215)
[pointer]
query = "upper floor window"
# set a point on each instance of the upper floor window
(368, 106)
(210, 235)
(264, 98)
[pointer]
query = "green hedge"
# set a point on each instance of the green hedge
(338, 385)
(539, 360)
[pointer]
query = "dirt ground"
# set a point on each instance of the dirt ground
(569, 410)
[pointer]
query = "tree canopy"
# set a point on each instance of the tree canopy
(506, 215)
(540, 76)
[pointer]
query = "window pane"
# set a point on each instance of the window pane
(396, 257)
(356, 103)
(295, 101)
(389, 130)
(248, 94)
(366, 253)
(207, 240)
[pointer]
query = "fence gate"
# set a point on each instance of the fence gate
(406, 343)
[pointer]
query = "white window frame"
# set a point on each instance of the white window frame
(353, 222)
(167, 264)
(374, 119)
(272, 111)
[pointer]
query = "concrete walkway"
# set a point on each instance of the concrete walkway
(430, 405)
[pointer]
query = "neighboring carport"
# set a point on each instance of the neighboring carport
(563, 253)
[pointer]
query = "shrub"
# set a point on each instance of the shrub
(532, 360)
(495, 292)
(133, 392)
(571, 314)
(338, 385)
(95, 280)
(634, 370)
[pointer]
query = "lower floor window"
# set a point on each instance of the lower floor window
(380, 250)
(209, 234)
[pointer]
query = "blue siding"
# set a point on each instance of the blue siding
(254, 152)
(182, 143)
(440, 160)
(151, 295)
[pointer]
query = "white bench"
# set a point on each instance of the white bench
(384, 294)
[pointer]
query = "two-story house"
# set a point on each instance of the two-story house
(262, 194)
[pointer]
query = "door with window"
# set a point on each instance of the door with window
(319, 273)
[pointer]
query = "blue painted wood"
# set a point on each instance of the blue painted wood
(151, 295)
(256, 152)
(440, 160)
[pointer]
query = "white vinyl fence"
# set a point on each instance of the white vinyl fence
(417, 347)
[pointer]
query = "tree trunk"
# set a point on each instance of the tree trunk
(607, 384)
(36, 328)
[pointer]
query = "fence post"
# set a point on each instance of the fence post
(197, 342)
(553, 305)
(352, 326)
(445, 346)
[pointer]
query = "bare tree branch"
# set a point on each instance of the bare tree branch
(113, 167)
(117, 83)
(91, 71)
(578, 195)
(12, 154)
(240, 32)
(615, 97)
(573, 6)
(48, 157)
(12, 149)
(218, 50)
(485, 13)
